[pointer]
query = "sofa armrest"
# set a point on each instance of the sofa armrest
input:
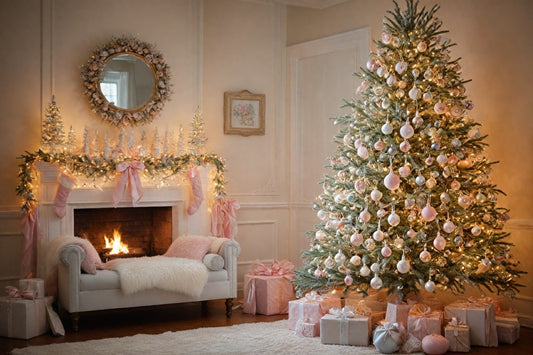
(230, 251)
(69, 270)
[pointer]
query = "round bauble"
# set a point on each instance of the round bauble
(398, 242)
(322, 215)
(405, 146)
(374, 267)
(429, 286)
(320, 234)
(391, 80)
(382, 213)
(376, 282)
(448, 226)
(364, 271)
(429, 213)
(364, 216)
(318, 273)
(435, 344)
(402, 84)
(340, 258)
(456, 111)
(395, 41)
(415, 73)
(378, 90)
(360, 186)
(393, 219)
(358, 143)
(404, 171)
(369, 244)
(391, 181)
(381, 71)
(425, 256)
(420, 180)
(415, 93)
(440, 108)
(386, 128)
(372, 64)
(362, 152)
(356, 239)
(400, 67)
(399, 93)
(455, 185)
(445, 198)
(458, 240)
(421, 46)
(475, 230)
(355, 260)
(428, 96)
(464, 201)
(386, 38)
(411, 233)
(376, 195)
(386, 251)
(379, 145)
(407, 131)
(378, 235)
(417, 121)
(329, 262)
(385, 104)
(431, 183)
(403, 266)
(428, 74)
(348, 280)
(442, 159)
(439, 242)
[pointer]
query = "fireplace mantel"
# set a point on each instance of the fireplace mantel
(176, 197)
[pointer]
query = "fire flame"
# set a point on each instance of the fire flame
(115, 244)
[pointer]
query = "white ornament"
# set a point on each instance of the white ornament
(448, 226)
(386, 128)
(420, 180)
(415, 93)
(362, 152)
(391, 80)
(429, 286)
(329, 262)
(376, 195)
(476, 230)
(439, 242)
(355, 260)
(425, 256)
(322, 215)
(428, 96)
(393, 219)
(348, 280)
(320, 234)
(391, 181)
(400, 67)
(365, 271)
(358, 143)
(422, 46)
(374, 267)
(376, 282)
(340, 258)
(403, 265)
(378, 235)
(386, 38)
(407, 131)
(442, 159)
(364, 216)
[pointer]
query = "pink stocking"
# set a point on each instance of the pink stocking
(66, 183)
(196, 186)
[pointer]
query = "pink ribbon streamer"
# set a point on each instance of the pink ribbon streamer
(14, 292)
(30, 230)
(277, 268)
(129, 177)
(224, 218)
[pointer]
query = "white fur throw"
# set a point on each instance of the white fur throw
(181, 275)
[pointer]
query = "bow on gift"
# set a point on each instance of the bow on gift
(313, 296)
(129, 171)
(421, 310)
(277, 268)
(14, 292)
(344, 312)
(456, 324)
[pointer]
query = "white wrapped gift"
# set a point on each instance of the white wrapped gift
(23, 319)
(508, 329)
(35, 285)
(458, 335)
(345, 327)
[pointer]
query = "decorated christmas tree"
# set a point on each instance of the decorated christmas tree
(52, 134)
(409, 203)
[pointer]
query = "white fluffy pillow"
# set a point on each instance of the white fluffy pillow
(214, 262)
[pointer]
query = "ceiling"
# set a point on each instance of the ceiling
(313, 4)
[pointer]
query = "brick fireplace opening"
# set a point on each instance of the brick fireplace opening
(146, 230)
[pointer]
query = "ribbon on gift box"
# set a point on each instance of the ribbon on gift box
(343, 314)
(277, 268)
(14, 292)
(456, 324)
(313, 296)
(129, 176)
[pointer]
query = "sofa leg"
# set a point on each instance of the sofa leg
(204, 307)
(229, 307)
(75, 318)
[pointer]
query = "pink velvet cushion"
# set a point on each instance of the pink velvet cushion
(92, 260)
(190, 247)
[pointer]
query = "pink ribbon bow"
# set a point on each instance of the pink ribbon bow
(14, 292)
(129, 176)
(277, 268)
(421, 310)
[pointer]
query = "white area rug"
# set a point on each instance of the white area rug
(250, 338)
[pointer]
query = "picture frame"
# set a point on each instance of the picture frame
(244, 113)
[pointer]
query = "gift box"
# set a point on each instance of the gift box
(458, 335)
(478, 314)
(397, 313)
(387, 338)
(23, 319)
(35, 285)
(411, 345)
(345, 327)
(310, 309)
(422, 321)
(268, 289)
(508, 329)
(307, 329)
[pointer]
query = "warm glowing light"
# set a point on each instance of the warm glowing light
(115, 244)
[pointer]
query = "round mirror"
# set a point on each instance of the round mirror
(126, 82)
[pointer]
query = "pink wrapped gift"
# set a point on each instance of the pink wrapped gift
(345, 327)
(422, 321)
(23, 319)
(397, 313)
(35, 285)
(478, 314)
(268, 290)
(310, 308)
(307, 329)
(458, 335)
(508, 328)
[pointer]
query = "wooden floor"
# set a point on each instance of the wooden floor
(155, 320)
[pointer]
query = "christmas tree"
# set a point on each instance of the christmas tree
(197, 138)
(410, 203)
(52, 134)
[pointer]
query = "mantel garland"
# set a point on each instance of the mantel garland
(95, 167)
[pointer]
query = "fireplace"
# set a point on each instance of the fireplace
(147, 231)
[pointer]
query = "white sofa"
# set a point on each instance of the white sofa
(79, 292)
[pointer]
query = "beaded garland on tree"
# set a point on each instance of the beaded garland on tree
(410, 204)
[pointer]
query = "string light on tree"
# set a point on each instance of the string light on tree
(409, 155)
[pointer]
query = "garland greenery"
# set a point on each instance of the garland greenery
(95, 167)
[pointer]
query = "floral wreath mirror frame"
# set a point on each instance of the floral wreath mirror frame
(91, 73)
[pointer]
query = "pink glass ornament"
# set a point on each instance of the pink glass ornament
(439, 242)
(440, 108)
(348, 280)
(364, 216)
(379, 145)
(405, 146)
(376, 195)
(425, 256)
(464, 201)
(421, 47)
(362, 152)
(429, 213)
(393, 219)
(360, 186)
(382, 213)
(411, 233)
(356, 239)
(448, 226)
(404, 171)
(358, 143)
(391, 181)
(386, 251)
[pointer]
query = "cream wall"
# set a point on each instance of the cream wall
(494, 41)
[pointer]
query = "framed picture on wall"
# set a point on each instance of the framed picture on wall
(244, 113)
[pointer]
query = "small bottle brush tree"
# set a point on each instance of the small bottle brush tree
(52, 134)
(197, 139)
(410, 204)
